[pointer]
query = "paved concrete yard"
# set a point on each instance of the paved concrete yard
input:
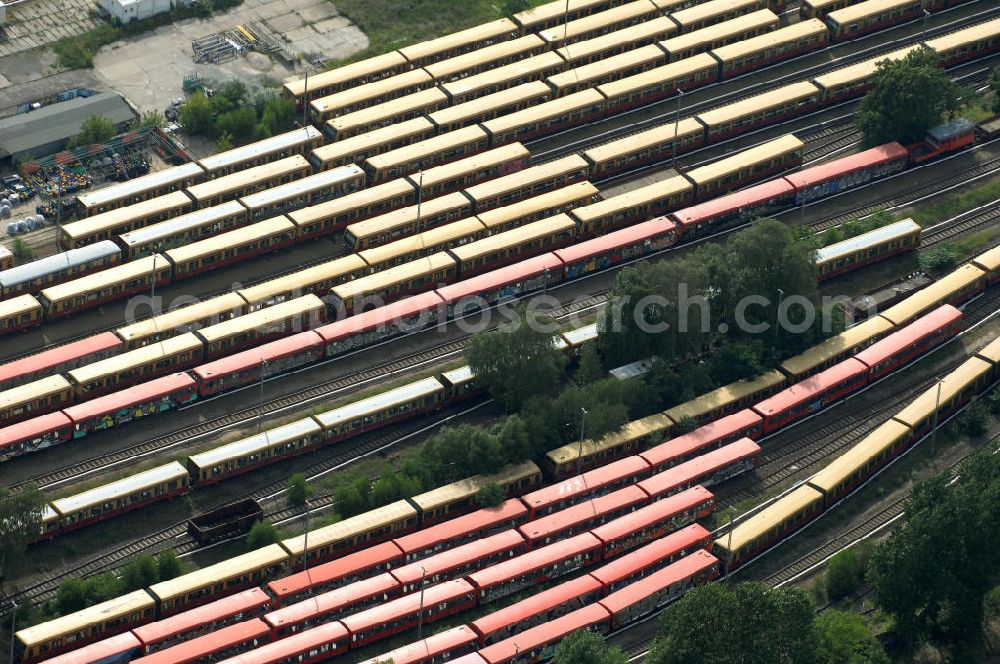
(41, 22)
(149, 69)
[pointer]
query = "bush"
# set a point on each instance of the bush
(991, 604)
(298, 490)
(972, 422)
(844, 574)
(686, 425)
(169, 565)
(261, 534)
(140, 573)
(490, 494)
(938, 259)
(21, 250)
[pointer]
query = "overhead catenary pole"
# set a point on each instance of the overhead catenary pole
(305, 540)
(305, 99)
(777, 313)
(579, 449)
(937, 405)
(420, 611)
(566, 23)
(677, 124)
(13, 623)
(260, 406)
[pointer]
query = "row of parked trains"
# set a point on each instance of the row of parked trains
(635, 494)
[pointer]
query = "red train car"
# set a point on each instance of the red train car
(442, 647)
(543, 564)
(455, 532)
(848, 173)
(461, 560)
(711, 436)
(318, 644)
(537, 609)
(709, 468)
(202, 620)
(645, 560)
(245, 367)
(732, 210)
(213, 646)
(400, 614)
(332, 605)
(155, 396)
(597, 482)
(903, 346)
(343, 571)
(469, 295)
(812, 394)
(617, 247)
(375, 325)
(583, 516)
(60, 359)
(538, 644)
(34, 434)
(120, 648)
(653, 521)
(640, 599)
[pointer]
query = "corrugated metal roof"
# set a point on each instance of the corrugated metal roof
(30, 131)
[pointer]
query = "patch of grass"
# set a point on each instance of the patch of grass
(949, 205)
(978, 110)
(391, 25)
(78, 52)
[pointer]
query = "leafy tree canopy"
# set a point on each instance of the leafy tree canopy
(586, 647)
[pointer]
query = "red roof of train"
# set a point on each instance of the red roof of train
(300, 642)
(534, 560)
(253, 357)
(624, 237)
(643, 557)
(541, 635)
(36, 426)
(332, 600)
(460, 526)
(349, 565)
(431, 647)
(810, 387)
(536, 604)
(525, 269)
(152, 389)
(703, 436)
(583, 512)
(748, 197)
(657, 512)
(247, 600)
(204, 645)
(406, 605)
(699, 467)
(585, 483)
(899, 340)
(834, 169)
(450, 559)
(375, 318)
(103, 650)
(636, 592)
(59, 355)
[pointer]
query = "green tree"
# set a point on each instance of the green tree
(168, 565)
(197, 115)
(150, 119)
(844, 574)
(586, 647)
(940, 258)
(686, 425)
(974, 419)
(590, 368)
(511, 7)
(350, 500)
(234, 90)
(93, 130)
(747, 624)
(995, 86)
(909, 97)
(261, 534)
(20, 520)
(933, 573)
(240, 123)
(298, 490)
(278, 115)
(490, 494)
(225, 142)
(517, 361)
(22, 250)
(843, 638)
(140, 573)
(71, 596)
(991, 604)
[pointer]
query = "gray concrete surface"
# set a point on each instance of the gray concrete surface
(34, 24)
(149, 68)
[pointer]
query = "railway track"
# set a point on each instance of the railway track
(982, 216)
